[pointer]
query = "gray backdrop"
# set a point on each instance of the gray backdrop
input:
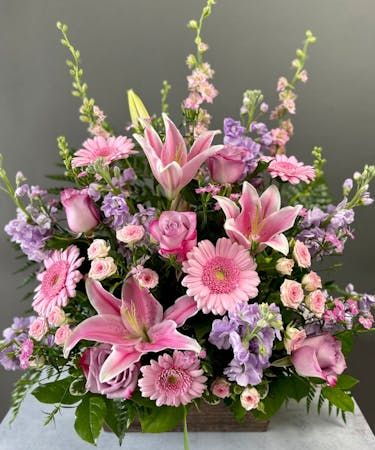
(138, 43)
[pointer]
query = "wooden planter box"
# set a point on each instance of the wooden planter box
(216, 418)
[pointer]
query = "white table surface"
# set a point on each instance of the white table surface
(290, 429)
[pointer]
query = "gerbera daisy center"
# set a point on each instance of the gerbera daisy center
(221, 275)
(174, 380)
(54, 279)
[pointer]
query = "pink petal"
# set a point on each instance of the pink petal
(305, 362)
(164, 335)
(183, 308)
(191, 167)
(236, 235)
(174, 148)
(203, 142)
(153, 140)
(151, 155)
(118, 361)
(101, 300)
(147, 310)
(270, 201)
(170, 177)
(279, 242)
(251, 209)
(278, 222)
(230, 209)
(107, 329)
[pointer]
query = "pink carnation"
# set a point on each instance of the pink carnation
(291, 294)
(220, 277)
(367, 321)
(108, 149)
(58, 281)
(301, 255)
(27, 349)
(290, 169)
(173, 380)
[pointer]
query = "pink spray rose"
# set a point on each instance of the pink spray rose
(62, 334)
(293, 339)
(291, 294)
(121, 386)
(99, 248)
(56, 317)
(227, 165)
(102, 268)
(311, 281)
(285, 266)
(130, 234)
(301, 254)
(320, 357)
(220, 388)
(38, 329)
(175, 232)
(81, 212)
(250, 398)
(316, 302)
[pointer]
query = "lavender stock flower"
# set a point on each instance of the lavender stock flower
(115, 210)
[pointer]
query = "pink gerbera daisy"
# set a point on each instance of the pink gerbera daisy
(108, 149)
(58, 281)
(290, 169)
(220, 277)
(173, 380)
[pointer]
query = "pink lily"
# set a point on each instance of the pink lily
(134, 325)
(171, 164)
(260, 219)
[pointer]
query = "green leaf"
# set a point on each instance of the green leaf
(56, 392)
(273, 402)
(347, 341)
(295, 387)
(90, 418)
(159, 420)
(339, 398)
(346, 382)
(118, 418)
(238, 411)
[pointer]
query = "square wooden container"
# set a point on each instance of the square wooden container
(210, 418)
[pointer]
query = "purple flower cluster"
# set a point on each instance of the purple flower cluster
(144, 216)
(31, 232)
(17, 347)
(250, 332)
(325, 232)
(235, 135)
(116, 210)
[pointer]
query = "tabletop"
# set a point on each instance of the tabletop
(292, 429)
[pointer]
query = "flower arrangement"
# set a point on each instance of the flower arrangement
(174, 271)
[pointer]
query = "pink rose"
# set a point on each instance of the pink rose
(56, 317)
(311, 281)
(102, 268)
(99, 248)
(130, 234)
(316, 302)
(293, 339)
(250, 398)
(147, 278)
(38, 329)
(175, 232)
(291, 294)
(301, 254)
(62, 334)
(122, 386)
(227, 165)
(81, 212)
(220, 388)
(320, 357)
(285, 266)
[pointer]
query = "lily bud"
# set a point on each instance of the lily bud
(136, 108)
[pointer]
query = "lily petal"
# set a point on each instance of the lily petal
(270, 201)
(102, 300)
(279, 242)
(183, 308)
(230, 209)
(235, 235)
(153, 139)
(278, 222)
(120, 359)
(170, 178)
(164, 335)
(150, 153)
(174, 148)
(203, 142)
(107, 329)
(141, 303)
(191, 167)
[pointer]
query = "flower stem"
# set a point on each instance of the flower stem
(186, 435)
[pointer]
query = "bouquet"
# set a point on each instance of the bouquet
(168, 271)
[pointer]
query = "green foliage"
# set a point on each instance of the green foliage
(90, 416)
(339, 398)
(56, 392)
(347, 341)
(119, 416)
(164, 96)
(160, 420)
(346, 382)
(20, 390)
